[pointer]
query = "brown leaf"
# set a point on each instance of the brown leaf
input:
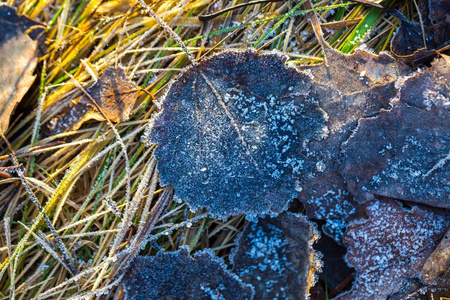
(348, 88)
(115, 94)
(390, 247)
(403, 153)
(436, 270)
(276, 256)
(17, 63)
(34, 29)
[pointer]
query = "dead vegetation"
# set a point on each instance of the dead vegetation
(96, 202)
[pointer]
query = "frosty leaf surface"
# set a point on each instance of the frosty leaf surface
(276, 256)
(115, 94)
(178, 275)
(403, 153)
(348, 87)
(18, 59)
(390, 247)
(231, 131)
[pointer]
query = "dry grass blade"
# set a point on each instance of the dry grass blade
(70, 177)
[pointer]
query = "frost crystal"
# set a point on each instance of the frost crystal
(390, 247)
(276, 257)
(348, 87)
(178, 275)
(231, 131)
(403, 153)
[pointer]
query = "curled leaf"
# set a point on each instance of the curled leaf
(231, 131)
(114, 93)
(276, 256)
(17, 63)
(403, 153)
(178, 275)
(390, 247)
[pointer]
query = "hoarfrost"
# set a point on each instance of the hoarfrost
(231, 132)
(390, 247)
(275, 255)
(348, 87)
(403, 153)
(178, 275)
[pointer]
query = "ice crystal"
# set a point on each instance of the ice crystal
(231, 131)
(390, 247)
(178, 275)
(276, 257)
(403, 153)
(348, 87)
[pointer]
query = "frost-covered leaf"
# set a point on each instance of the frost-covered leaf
(178, 275)
(403, 153)
(276, 256)
(17, 63)
(390, 247)
(348, 88)
(115, 94)
(231, 131)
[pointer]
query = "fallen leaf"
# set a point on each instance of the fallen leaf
(276, 257)
(371, 3)
(407, 40)
(390, 247)
(231, 130)
(436, 270)
(114, 93)
(403, 153)
(419, 44)
(348, 87)
(178, 275)
(34, 29)
(17, 63)
(440, 21)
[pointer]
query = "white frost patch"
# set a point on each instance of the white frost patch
(390, 247)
